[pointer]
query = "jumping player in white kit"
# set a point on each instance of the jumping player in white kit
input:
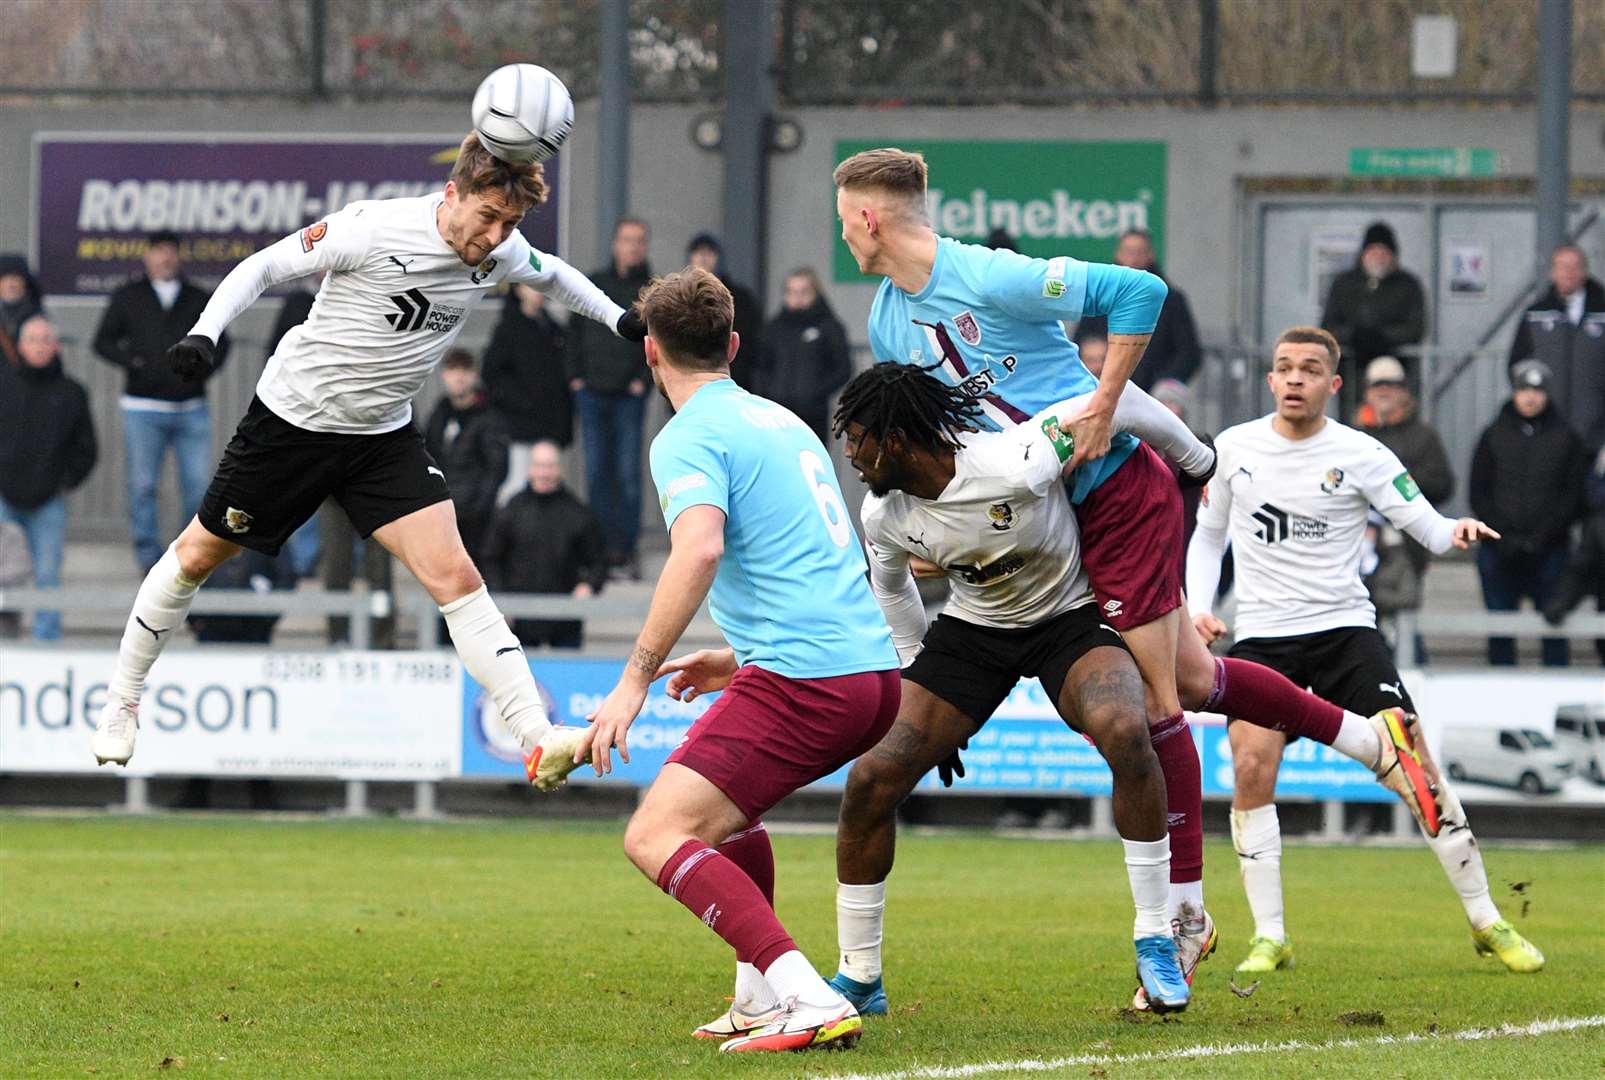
(332, 418)
(1292, 492)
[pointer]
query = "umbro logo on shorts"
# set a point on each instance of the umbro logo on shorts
(1112, 608)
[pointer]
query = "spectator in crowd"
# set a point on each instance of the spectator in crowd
(305, 545)
(545, 541)
(1173, 351)
(609, 378)
(1389, 415)
(705, 253)
(19, 302)
(47, 448)
(1585, 571)
(160, 410)
(1526, 483)
(804, 357)
(523, 372)
(1094, 346)
(16, 569)
(1374, 309)
(1566, 330)
(467, 441)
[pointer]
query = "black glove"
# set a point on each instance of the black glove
(1188, 481)
(630, 326)
(191, 359)
(952, 766)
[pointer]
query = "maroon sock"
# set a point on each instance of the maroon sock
(1184, 796)
(715, 890)
(749, 849)
(1248, 691)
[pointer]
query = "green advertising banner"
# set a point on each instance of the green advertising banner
(1425, 161)
(1054, 198)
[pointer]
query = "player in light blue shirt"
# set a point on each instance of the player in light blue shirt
(990, 322)
(757, 525)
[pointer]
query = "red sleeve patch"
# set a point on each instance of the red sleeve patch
(312, 234)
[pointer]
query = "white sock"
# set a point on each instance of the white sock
(160, 606)
(495, 659)
(792, 975)
(1148, 869)
(860, 918)
(1461, 859)
(1357, 739)
(753, 992)
(1186, 894)
(1257, 836)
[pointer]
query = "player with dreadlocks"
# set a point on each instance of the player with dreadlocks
(990, 508)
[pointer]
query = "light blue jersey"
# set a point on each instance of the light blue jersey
(992, 321)
(791, 594)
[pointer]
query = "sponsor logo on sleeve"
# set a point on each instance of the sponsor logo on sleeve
(312, 234)
(534, 262)
(680, 485)
(1053, 287)
(1064, 443)
(1406, 486)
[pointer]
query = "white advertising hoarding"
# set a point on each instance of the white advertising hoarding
(354, 715)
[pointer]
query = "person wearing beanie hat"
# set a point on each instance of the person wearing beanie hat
(706, 253)
(1374, 309)
(19, 300)
(1527, 482)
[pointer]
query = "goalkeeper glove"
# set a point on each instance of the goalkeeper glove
(191, 358)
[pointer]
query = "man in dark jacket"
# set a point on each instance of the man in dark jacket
(467, 441)
(804, 357)
(1585, 571)
(19, 302)
(47, 448)
(546, 541)
(1375, 309)
(160, 410)
(1527, 484)
(524, 376)
(705, 253)
(609, 377)
(1389, 415)
(1566, 330)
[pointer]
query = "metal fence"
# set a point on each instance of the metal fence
(885, 52)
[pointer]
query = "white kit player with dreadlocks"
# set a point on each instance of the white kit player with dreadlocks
(1292, 492)
(332, 418)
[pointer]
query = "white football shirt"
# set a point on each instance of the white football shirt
(1295, 513)
(1003, 530)
(393, 302)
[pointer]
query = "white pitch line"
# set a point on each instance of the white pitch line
(1208, 1050)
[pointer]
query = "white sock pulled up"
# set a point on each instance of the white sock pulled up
(1148, 869)
(1257, 836)
(860, 922)
(495, 659)
(160, 607)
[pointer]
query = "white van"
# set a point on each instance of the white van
(1519, 757)
(1580, 735)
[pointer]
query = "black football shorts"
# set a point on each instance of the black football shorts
(274, 476)
(1351, 666)
(973, 667)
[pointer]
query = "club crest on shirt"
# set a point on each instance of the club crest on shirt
(238, 521)
(969, 330)
(1001, 515)
(1333, 481)
(482, 271)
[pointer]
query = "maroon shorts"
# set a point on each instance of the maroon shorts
(768, 735)
(1131, 530)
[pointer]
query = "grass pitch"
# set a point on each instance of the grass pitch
(239, 947)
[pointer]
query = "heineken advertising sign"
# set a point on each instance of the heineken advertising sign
(1053, 198)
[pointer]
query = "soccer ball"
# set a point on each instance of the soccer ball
(522, 113)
